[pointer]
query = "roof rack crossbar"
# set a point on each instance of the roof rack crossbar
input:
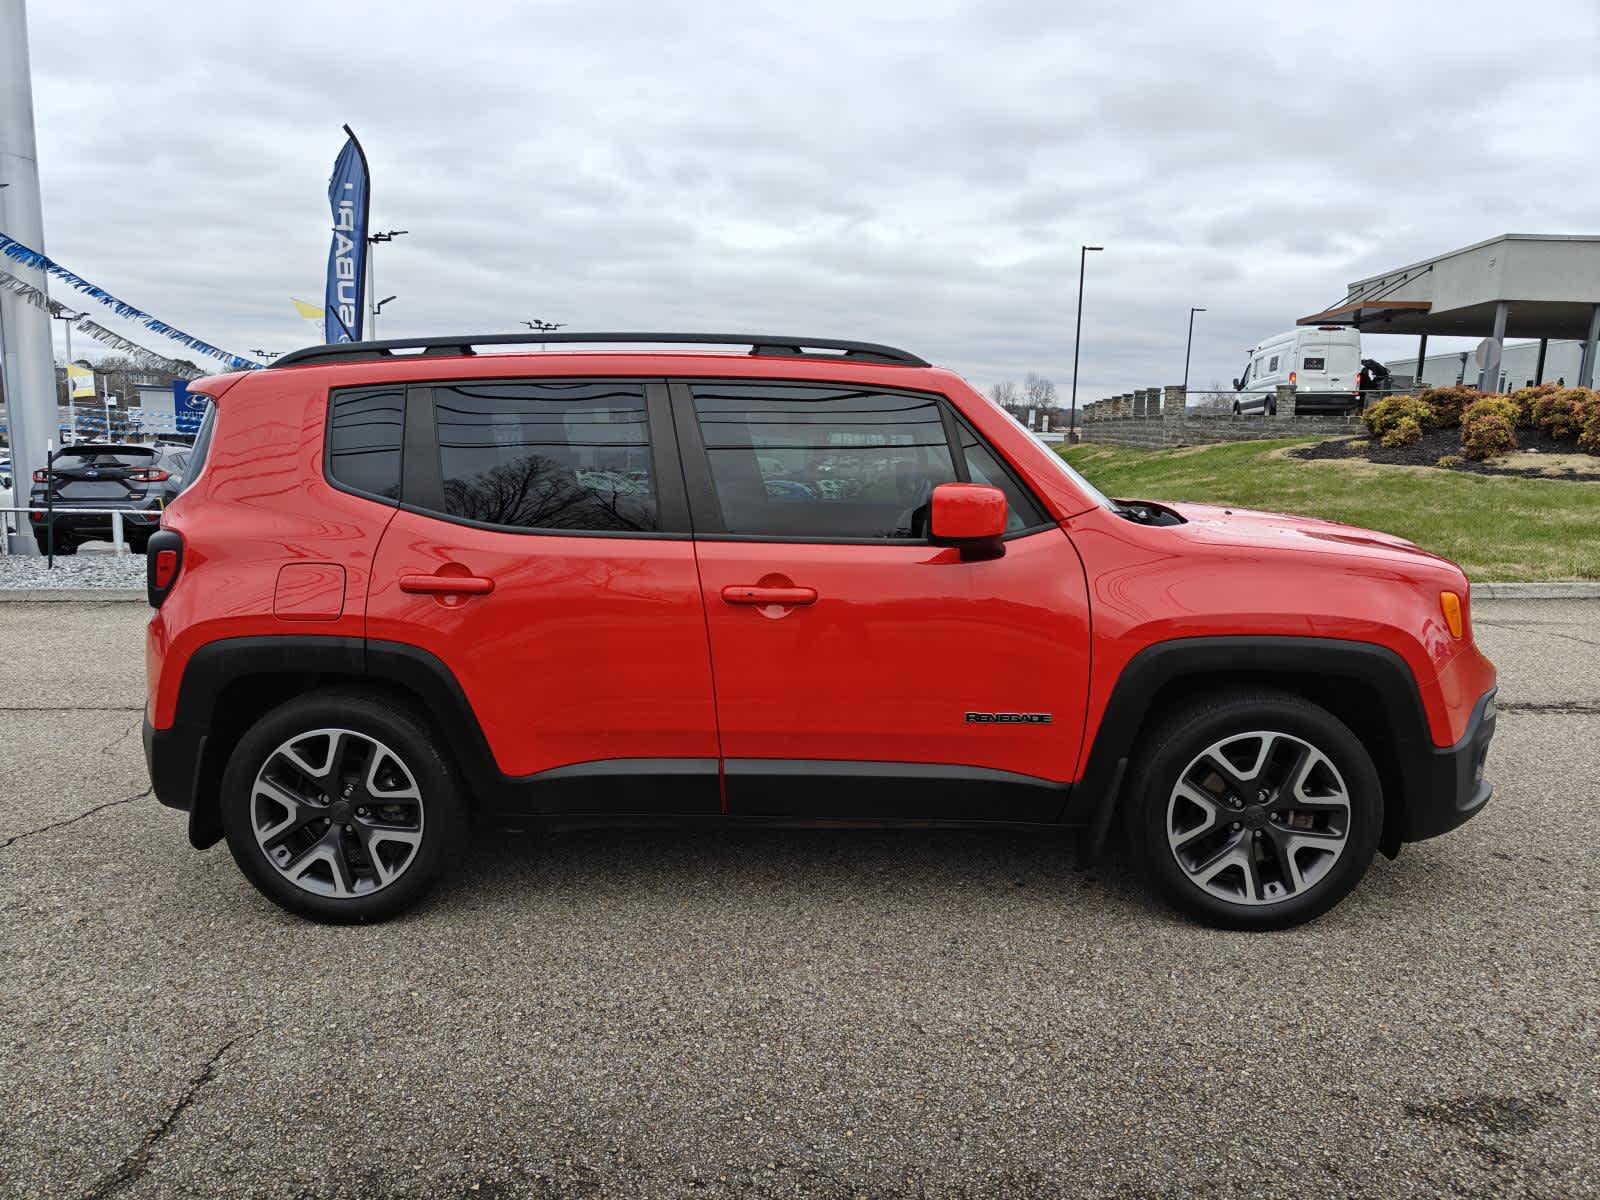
(788, 347)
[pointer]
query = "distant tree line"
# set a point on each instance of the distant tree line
(1036, 397)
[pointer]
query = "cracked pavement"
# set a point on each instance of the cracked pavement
(810, 1013)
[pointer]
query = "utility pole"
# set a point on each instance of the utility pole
(1072, 417)
(29, 363)
(1188, 346)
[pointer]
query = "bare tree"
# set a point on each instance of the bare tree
(1004, 393)
(1041, 392)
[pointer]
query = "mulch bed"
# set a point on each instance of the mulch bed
(1436, 443)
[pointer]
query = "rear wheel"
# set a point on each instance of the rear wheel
(1270, 408)
(338, 807)
(1254, 810)
(64, 544)
(1236, 409)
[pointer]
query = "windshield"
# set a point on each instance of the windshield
(1083, 484)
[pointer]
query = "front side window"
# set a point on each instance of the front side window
(1021, 510)
(796, 460)
(559, 455)
(364, 436)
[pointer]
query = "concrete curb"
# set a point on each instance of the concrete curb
(83, 595)
(1573, 589)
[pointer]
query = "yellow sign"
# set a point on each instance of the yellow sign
(80, 382)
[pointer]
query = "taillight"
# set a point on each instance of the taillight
(148, 475)
(163, 564)
(164, 568)
(1292, 378)
(40, 476)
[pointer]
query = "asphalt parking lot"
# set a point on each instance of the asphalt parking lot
(788, 1013)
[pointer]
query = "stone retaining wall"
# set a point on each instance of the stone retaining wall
(1155, 417)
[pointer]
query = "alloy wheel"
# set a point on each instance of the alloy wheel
(1258, 818)
(337, 813)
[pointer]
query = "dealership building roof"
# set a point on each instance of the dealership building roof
(1516, 285)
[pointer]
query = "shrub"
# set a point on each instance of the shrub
(1526, 398)
(1589, 435)
(1489, 427)
(1561, 413)
(1383, 416)
(1449, 460)
(1445, 405)
(1403, 432)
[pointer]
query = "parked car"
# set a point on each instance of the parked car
(1321, 363)
(138, 480)
(389, 604)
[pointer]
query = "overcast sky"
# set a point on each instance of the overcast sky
(919, 172)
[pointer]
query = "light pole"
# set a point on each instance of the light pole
(539, 326)
(388, 235)
(1188, 346)
(67, 318)
(378, 308)
(1077, 338)
(269, 355)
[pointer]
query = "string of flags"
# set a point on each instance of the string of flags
(17, 252)
(94, 329)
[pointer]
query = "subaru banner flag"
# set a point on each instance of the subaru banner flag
(349, 196)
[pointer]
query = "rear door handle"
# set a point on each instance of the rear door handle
(446, 585)
(749, 593)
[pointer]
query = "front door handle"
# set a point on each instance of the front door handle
(750, 593)
(447, 585)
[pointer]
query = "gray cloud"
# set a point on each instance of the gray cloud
(920, 172)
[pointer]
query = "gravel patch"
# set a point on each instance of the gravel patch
(114, 571)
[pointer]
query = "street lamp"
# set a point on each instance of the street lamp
(388, 235)
(539, 326)
(1188, 346)
(269, 355)
(1077, 338)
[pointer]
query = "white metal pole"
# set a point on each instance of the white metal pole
(28, 360)
(370, 333)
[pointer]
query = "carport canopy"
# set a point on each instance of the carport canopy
(1518, 285)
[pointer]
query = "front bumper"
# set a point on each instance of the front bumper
(1454, 788)
(172, 756)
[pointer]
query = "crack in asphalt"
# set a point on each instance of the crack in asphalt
(138, 1163)
(61, 708)
(1563, 708)
(1526, 627)
(27, 833)
(119, 739)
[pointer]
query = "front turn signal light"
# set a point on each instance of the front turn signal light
(1450, 606)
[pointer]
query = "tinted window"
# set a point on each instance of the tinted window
(1273, 365)
(823, 462)
(364, 440)
(550, 455)
(132, 456)
(1021, 511)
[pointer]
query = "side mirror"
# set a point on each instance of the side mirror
(970, 516)
(1237, 385)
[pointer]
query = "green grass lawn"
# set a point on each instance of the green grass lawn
(1496, 527)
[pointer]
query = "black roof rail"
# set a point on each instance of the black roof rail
(788, 347)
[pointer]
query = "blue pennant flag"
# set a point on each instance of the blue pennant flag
(350, 197)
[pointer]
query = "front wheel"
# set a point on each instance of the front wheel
(1254, 810)
(1236, 409)
(338, 807)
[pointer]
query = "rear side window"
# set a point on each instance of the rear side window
(364, 439)
(558, 455)
(793, 460)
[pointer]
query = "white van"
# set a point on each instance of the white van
(1322, 363)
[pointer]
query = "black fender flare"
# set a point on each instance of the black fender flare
(1262, 659)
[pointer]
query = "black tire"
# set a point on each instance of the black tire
(64, 545)
(1271, 408)
(1236, 409)
(442, 821)
(1178, 741)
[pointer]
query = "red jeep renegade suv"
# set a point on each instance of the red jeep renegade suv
(809, 581)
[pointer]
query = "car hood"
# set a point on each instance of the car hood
(1217, 525)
